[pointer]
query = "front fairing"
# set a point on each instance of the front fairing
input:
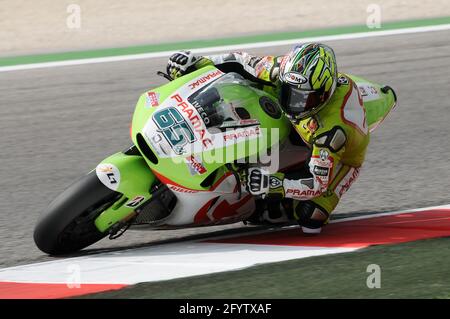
(197, 123)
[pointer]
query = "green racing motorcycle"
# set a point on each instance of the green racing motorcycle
(192, 138)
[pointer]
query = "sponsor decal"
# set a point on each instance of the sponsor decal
(195, 165)
(156, 138)
(172, 125)
(248, 122)
(312, 125)
(283, 62)
(152, 99)
(303, 193)
(204, 79)
(109, 175)
(321, 166)
(159, 145)
(363, 91)
(268, 63)
(195, 120)
(238, 123)
(295, 78)
(323, 181)
(242, 134)
(135, 202)
(264, 65)
(368, 92)
(182, 189)
(317, 161)
(321, 171)
(202, 112)
(346, 182)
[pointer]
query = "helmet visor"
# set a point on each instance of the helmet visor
(298, 103)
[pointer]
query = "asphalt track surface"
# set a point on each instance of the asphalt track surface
(58, 123)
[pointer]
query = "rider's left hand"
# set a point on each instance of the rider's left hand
(180, 63)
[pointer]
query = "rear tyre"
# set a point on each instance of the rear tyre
(68, 223)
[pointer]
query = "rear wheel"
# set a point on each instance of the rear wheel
(68, 223)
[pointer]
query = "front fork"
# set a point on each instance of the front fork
(128, 174)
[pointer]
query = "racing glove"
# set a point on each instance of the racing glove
(181, 63)
(261, 183)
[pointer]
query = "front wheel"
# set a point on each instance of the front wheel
(68, 224)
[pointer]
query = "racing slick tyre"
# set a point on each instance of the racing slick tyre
(68, 223)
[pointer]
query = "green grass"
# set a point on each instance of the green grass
(107, 52)
(418, 269)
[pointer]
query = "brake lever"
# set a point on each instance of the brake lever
(164, 75)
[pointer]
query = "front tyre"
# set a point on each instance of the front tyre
(68, 224)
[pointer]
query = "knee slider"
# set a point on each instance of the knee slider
(311, 215)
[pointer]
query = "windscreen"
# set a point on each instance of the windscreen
(217, 112)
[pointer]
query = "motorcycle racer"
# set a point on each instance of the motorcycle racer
(326, 110)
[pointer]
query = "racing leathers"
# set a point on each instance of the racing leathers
(337, 135)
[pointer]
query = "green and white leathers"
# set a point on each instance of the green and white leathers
(335, 120)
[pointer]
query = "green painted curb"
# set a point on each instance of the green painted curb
(52, 57)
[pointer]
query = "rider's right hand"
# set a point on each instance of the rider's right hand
(180, 63)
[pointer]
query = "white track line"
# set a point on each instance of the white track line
(169, 261)
(163, 262)
(161, 54)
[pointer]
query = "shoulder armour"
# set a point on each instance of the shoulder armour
(334, 139)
